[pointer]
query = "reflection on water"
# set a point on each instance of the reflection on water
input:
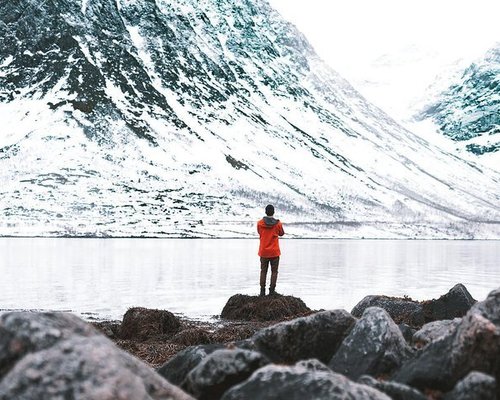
(104, 277)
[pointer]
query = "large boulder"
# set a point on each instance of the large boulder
(86, 368)
(396, 391)
(298, 382)
(475, 386)
(142, 323)
(402, 310)
(315, 336)
(26, 332)
(375, 346)
(473, 345)
(221, 370)
(263, 308)
(177, 368)
(433, 331)
(453, 304)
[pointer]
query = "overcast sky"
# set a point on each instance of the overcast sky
(345, 32)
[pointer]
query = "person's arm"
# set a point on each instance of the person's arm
(281, 231)
(258, 228)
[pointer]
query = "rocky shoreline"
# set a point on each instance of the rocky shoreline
(271, 347)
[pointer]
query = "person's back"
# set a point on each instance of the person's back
(269, 229)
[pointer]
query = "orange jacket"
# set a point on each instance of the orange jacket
(269, 230)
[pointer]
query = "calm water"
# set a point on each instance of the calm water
(104, 277)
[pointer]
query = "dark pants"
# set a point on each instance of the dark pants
(264, 265)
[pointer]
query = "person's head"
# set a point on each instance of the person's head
(269, 210)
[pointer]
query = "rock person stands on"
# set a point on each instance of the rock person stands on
(269, 229)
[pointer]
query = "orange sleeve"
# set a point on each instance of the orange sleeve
(281, 231)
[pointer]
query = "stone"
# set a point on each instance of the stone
(401, 310)
(277, 382)
(221, 370)
(473, 346)
(475, 386)
(26, 332)
(85, 368)
(433, 331)
(396, 391)
(407, 331)
(263, 308)
(177, 368)
(375, 346)
(315, 336)
(142, 323)
(453, 304)
(313, 365)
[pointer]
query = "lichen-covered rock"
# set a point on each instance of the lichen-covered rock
(433, 331)
(401, 310)
(141, 323)
(475, 386)
(26, 332)
(85, 368)
(313, 365)
(315, 336)
(297, 382)
(453, 304)
(374, 346)
(263, 308)
(474, 345)
(221, 370)
(396, 391)
(177, 368)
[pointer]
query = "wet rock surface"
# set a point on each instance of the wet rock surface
(297, 382)
(221, 370)
(263, 308)
(375, 346)
(315, 336)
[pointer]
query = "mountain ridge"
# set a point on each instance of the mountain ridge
(151, 118)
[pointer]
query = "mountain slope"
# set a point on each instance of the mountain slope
(469, 111)
(184, 119)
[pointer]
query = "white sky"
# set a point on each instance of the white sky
(346, 32)
(420, 39)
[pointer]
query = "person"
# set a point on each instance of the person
(269, 229)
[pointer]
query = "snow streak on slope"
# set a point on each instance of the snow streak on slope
(185, 119)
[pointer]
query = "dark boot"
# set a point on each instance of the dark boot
(262, 291)
(272, 292)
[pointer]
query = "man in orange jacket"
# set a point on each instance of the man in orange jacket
(269, 229)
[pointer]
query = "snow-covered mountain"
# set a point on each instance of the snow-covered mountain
(160, 118)
(468, 109)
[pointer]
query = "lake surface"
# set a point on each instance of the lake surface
(103, 277)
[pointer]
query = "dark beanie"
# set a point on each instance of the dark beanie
(269, 210)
